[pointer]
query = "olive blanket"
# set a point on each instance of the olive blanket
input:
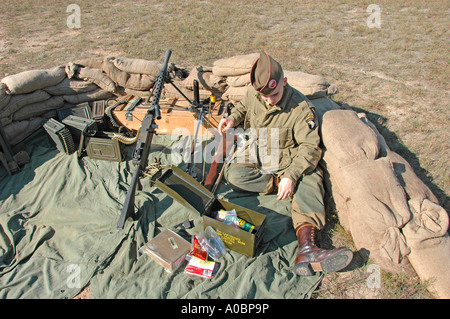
(58, 234)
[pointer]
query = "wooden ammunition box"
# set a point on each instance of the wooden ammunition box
(190, 193)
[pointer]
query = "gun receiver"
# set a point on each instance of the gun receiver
(143, 143)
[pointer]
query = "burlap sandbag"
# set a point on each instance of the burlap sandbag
(313, 86)
(5, 120)
(428, 238)
(206, 81)
(36, 109)
(71, 86)
(4, 96)
(347, 138)
(412, 184)
(140, 93)
(239, 80)
(235, 65)
(198, 74)
(124, 79)
(142, 82)
(234, 94)
(20, 100)
(426, 234)
(138, 66)
(96, 95)
(218, 82)
(93, 63)
(29, 81)
(378, 209)
(19, 130)
(118, 76)
(371, 203)
(96, 76)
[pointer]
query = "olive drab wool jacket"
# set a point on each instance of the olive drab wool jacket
(287, 131)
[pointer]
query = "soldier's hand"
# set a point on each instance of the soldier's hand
(285, 188)
(225, 124)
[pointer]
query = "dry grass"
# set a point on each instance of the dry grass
(397, 74)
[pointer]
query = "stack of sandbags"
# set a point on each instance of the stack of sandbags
(23, 97)
(117, 75)
(27, 98)
(381, 202)
(235, 71)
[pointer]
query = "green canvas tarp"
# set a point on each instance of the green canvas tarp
(58, 234)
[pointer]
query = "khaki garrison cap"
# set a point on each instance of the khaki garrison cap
(265, 74)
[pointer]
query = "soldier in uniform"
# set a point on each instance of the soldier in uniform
(272, 104)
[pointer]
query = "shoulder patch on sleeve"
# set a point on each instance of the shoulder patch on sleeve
(312, 120)
(311, 123)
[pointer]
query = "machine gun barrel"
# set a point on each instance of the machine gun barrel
(143, 143)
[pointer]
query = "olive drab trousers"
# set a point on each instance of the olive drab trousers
(307, 201)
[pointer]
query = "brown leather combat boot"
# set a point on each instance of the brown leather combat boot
(311, 259)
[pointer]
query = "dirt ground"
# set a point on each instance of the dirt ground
(393, 65)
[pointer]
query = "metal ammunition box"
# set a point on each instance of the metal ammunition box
(61, 135)
(98, 109)
(98, 113)
(81, 110)
(190, 193)
(79, 126)
(102, 147)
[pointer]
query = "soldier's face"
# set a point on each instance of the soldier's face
(276, 95)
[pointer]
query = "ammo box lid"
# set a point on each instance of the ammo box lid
(104, 148)
(185, 189)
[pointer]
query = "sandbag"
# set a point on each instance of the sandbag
(71, 86)
(347, 138)
(426, 233)
(20, 100)
(98, 94)
(92, 75)
(17, 131)
(29, 81)
(412, 184)
(234, 94)
(378, 207)
(207, 81)
(239, 80)
(93, 63)
(36, 109)
(124, 79)
(198, 74)
(235, 65)
(5, 120)
(138, 66)
(140, 93)
(312, 86)
(118, 76)
(219, 83)
(428, 238)
(142, 82)
(4, 96)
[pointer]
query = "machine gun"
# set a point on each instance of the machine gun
(144, 140)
